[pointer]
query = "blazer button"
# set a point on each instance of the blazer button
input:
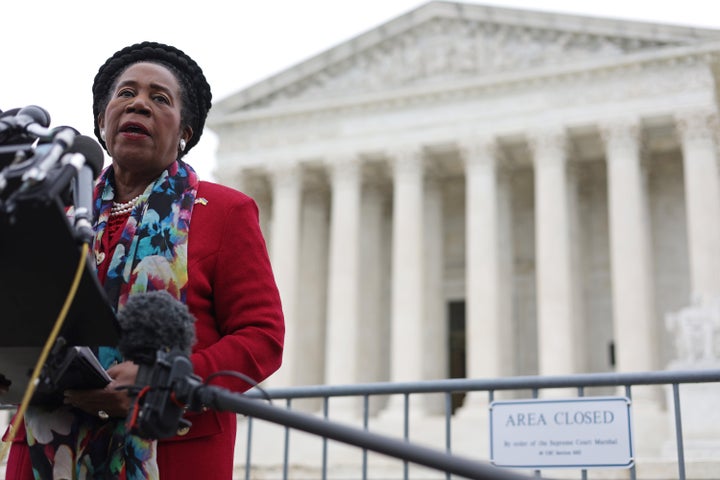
(182, 431)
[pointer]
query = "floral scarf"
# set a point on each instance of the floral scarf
(150, 255)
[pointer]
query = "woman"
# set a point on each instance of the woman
(159, 228)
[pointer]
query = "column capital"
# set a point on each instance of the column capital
(480, 151)
(284, 174)
(344, 166)
(252, 182)
(700, 124)
(621, 135)
(548, 145)
(406, 160)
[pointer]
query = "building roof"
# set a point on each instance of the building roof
(444, 42)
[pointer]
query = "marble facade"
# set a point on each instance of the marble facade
(555, 174)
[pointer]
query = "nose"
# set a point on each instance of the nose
(139, 104)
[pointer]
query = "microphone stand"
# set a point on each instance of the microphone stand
(173, 386)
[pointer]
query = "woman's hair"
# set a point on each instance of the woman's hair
(196, 94)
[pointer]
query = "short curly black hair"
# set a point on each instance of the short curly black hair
(196, 94)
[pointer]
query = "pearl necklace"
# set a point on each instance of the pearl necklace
(123, 208)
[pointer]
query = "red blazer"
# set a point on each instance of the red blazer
(239, 323)
(239, 326)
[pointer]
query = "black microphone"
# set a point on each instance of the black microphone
(31, 119)
(62, 141)
(78, 167)
(84, 154)
(92, 151)
(32, 114)
(82, 183)
(14, 146)
(53, 166)
(152, 324)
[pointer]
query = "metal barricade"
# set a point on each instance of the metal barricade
(536, 386)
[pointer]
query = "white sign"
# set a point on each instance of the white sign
(583, 432)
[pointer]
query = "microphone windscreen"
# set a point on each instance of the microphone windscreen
(38, 114)
(153, 321)
(91, 150)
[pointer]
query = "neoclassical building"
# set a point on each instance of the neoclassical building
(484, 192)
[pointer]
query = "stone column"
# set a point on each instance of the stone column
(488, 322)
(341, 366)
(284, 255)
(635, 326)
(313, 290)
(375, 274)
(257, 185)
(557, 315)
(435, 337)
(375, 280)
(407, 288)
(702, 197)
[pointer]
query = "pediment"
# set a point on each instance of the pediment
(446, 41)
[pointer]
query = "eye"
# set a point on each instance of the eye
(125, 92)
(161, 99)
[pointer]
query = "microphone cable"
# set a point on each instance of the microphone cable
(245, 378)
(30, 390)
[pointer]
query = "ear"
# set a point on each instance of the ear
(187, 133)
(101, 121)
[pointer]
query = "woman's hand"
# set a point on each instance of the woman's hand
(112, 399)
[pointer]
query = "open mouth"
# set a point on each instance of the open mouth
(134, 128)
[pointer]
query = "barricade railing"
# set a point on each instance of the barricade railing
(445, 460)
(536, 385)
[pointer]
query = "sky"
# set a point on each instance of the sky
(51, 49)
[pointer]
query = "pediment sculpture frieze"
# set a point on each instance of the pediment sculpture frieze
(443, 50)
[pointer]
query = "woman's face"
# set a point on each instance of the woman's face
(142, 119)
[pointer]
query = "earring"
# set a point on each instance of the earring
(182, 144)
(102, 135)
